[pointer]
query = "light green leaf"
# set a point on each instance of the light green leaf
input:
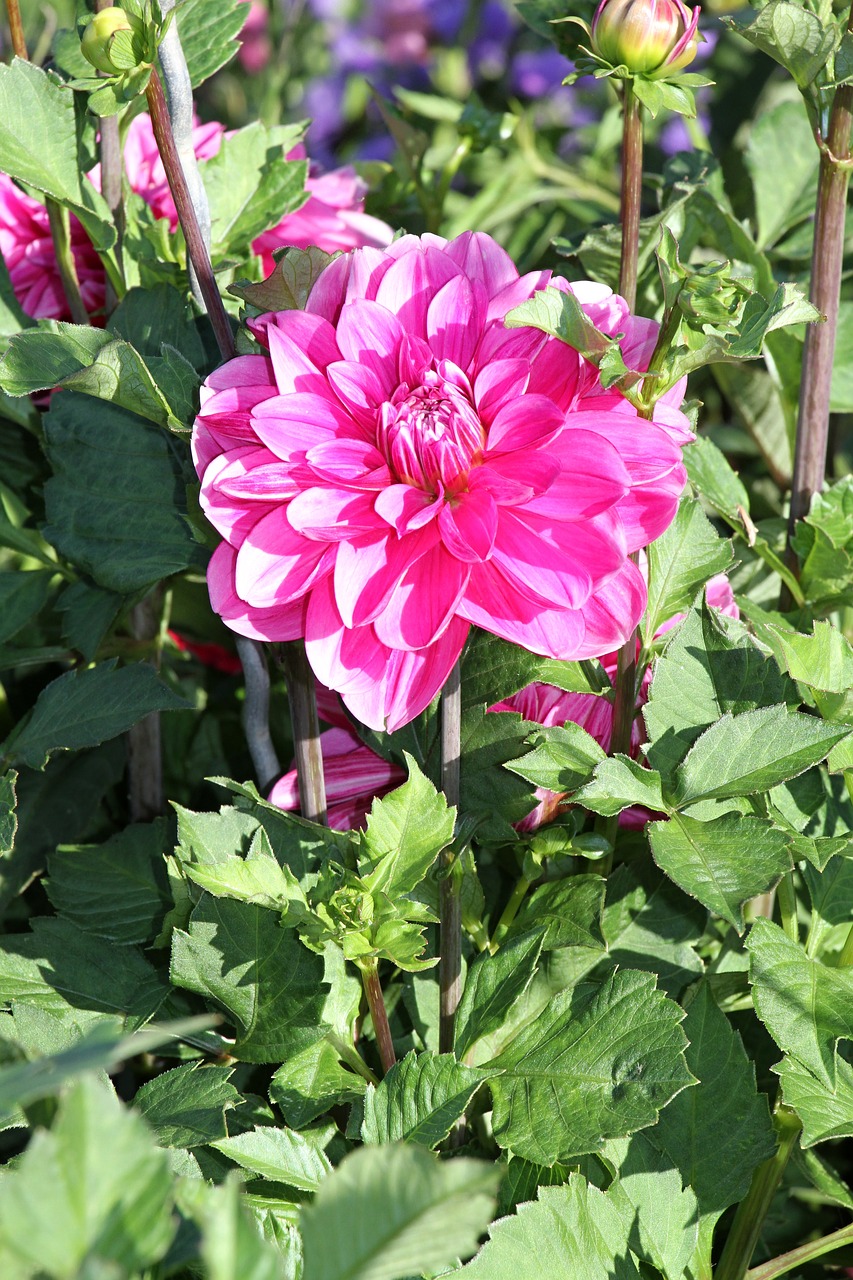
(187, 1107)
(823, 660)
(258, 878)
(278, 1155)
(782, 160)
(724, 862)
(313, 1081)
(572, 1230)
(752, 752)
(618, 783)
(419, 1100)
(711, 473)
(568, 910)
(44, 357)
(793, 36)
(562, 758)
(34, 104)
(406, 831)
(842, 369)
(93, 1189)
(492, 986)
(251, 186)
(598, 1063)
(561, 315)
(208, 31)
(826, 1110)
(8, 815)
(663, 1214)
(232, 1248)
(85, 708)
(272, 986)
(681, 560)
(355, 1231)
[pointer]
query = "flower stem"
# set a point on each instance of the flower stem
(805, 1253)
(196, 248)
(827, 258)
(61, 236)
(450, 904)
(510, 911)
(306, 730)
(752, 1210)
(378, 1013)
(146, 797)
(16, 30)
(632, 193)
(256, 711)
(109, 148)
(787, 900)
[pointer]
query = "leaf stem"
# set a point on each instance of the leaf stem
(450, 904)
(510, 911)
(632, 193)
(306, 730)
(378, 1013)
(805, 1253)
(61, 236)
(752, 1210)
(810, 450)
(787, 899)
(350, 1055)
(196, 247)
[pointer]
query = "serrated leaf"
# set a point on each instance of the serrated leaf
(572, 1230)
(43, 357)
(823, 660)
(93, 1189)
(597, 1063)
(85, 708)
(258, 878)
(231, 1246)
(239, 956)
(664, 1227)
(289, 284)
(251, 186)
(492, 986)
(752, 752)
(562, 316)
(278, 1155)
(791, 35)
(648, 923)
(313, 1081)
(494, 669)
(684, 557)
(568, 910)
(826, 1110)
(355, 1231)
(22, 596)
(617, 784)
(563, 757)
(187, 1107)
(208, 31)
(419, 1100)
(406, 831)
(711, 473)
(724, 862)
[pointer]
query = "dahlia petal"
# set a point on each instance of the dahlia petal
(342, 658)
(469, 524)
(612, 613)
(332, 515)
(283, 622)
(514, 292)
(515, 478)
(230, 516)
(454, 320)
(349, 462)
(276, 565)
(497, 383)
(492, 603)
(556, 564)
(370, 336)
(413, 679)
(311, 334)
(529, 422)
(423, 602)
(406, 507)
(410, 283)
(259, 477)
(593, 481)
(358, 389)
(483, 260)
(292, 424)
(366, 575)
(242, 371)
(294, 371)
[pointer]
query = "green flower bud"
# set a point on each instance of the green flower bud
(99, 35)
(653, 38)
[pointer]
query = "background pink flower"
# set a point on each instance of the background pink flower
(401, 465)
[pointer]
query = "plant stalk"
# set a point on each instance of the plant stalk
(810, 452)
(632, 193)
(196, 247)
(61, 236)
(805, 1253)
(752, 1210)
(109, 148)
(146, 795)
(256, 711)
(510, 911)
(16, 30)
(378, 1013)
(306, 730)
(450, 903)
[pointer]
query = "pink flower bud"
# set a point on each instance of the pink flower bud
(653, 38)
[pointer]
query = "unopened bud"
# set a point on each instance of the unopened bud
(653, 38)
(98, 38)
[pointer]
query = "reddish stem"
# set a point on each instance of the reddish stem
(632, 194)
(378, 1014)
(16, 30)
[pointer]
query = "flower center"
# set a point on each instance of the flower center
(431, 434)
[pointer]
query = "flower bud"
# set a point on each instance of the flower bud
(98, 38)
(653, 38)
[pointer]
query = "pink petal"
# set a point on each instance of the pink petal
(229, 516)
(613, 611)
(349, 462)
(413, 679)
(514, 478)
(555, 565)
(412, 281)
(284, 622)
(496, 384)
(423, 602)
(493, 604)
(455, 318)
(483, 260)
(529, 422)
(359, 390)
(258, 477)
(332, 515)
(468, 525)
(276, 565)
(593, 478)
(370, 336)
(366, 575)
(294, 370)
(407, 508)
(341, 658)
(290, 425)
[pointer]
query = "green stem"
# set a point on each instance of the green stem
(302, 698)
(510, 911)
(805, 1253)
(350, 1055)
(61, 236)
(845, 960)
(109, 148)
(378, 1013)
(787, 900)
(632, 193)
(450, 904)
(749, 1219)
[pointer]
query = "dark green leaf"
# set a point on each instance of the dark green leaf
(711, 474)
(419, 1100)
(188, 1106)
(648, 923)
(568, 910)
(492, 986)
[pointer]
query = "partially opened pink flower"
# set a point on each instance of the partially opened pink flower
(401, 465)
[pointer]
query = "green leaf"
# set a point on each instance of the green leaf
(85, 708)
(251, 186)
(562, 316)
(87, 613)
(187, 1107)
(719, 1132)
(258, 878)
(95, 1189)
(35, 104)
(826, 1110)
(572, 1230)
(823, 661)
(492, 986)
(724, 862)
(562, 758)
(791, 35)
(56, 965)
(489, 795)
(22, 595)
(681, 560)
(753, 751)
(664, 1229)
(782, 160)
(8, 815)
(271, 986)
(279, 1155)
(232, 1248)
(711, 474)
(355, 1231)
(312, 1082)
(619, 782)
(43, 357)
(208, 30)
(806, 1007)
(597, 1063)
(842, 369)
(406, 831)
(289, 284)
(117, 890)
(116, 504)
(494, 669)
(568, 910)
(419, 1100)
(649, 924)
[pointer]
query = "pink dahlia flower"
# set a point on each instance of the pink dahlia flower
(399, 464)
(355, 773)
